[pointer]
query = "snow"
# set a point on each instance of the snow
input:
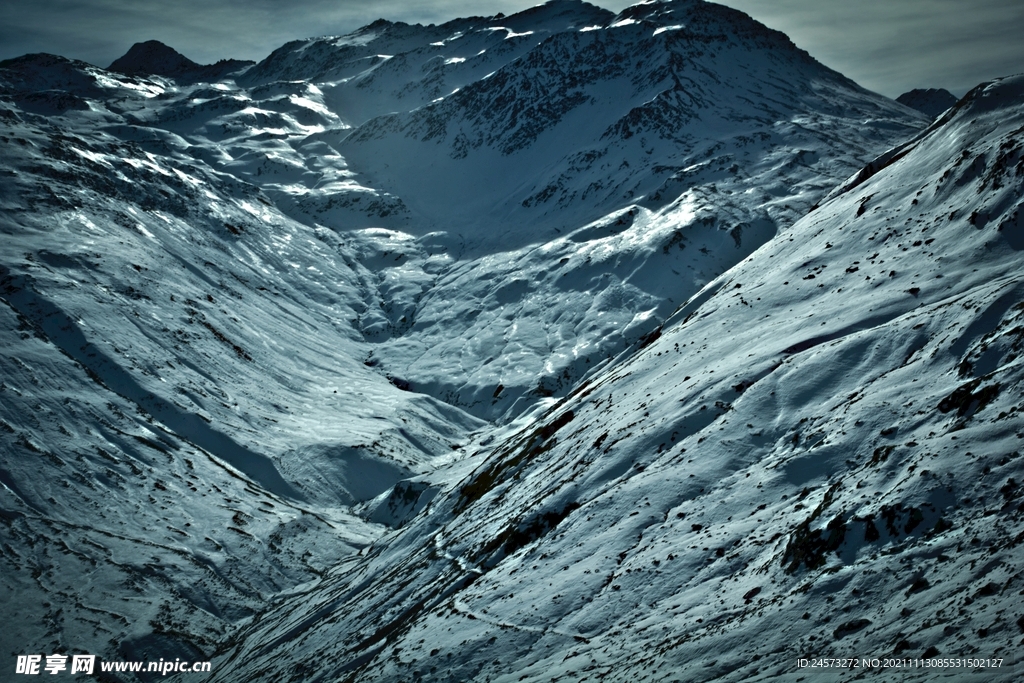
(688, 554)
(585, 354)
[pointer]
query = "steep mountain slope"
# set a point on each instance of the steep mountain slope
(818, 455)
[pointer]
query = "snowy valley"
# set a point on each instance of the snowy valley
(563, 345)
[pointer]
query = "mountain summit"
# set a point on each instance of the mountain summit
(930, 101)
(153, 58)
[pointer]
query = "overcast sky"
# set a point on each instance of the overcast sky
(886, 45)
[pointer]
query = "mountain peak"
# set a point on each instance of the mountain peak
(153, 57)
(930, 101)
(579, 10)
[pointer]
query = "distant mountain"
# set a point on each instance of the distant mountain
(590, 337)
(153, 58)
(930, 101)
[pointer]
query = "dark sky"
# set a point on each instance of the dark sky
(886, 45)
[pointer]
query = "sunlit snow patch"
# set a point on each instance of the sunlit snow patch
(310, 104)
(143, 88)
(92, 156)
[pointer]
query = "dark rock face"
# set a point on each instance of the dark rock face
(153, 58)
(930, 101)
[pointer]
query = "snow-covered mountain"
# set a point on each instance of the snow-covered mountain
(816, 456)
(315, 359)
